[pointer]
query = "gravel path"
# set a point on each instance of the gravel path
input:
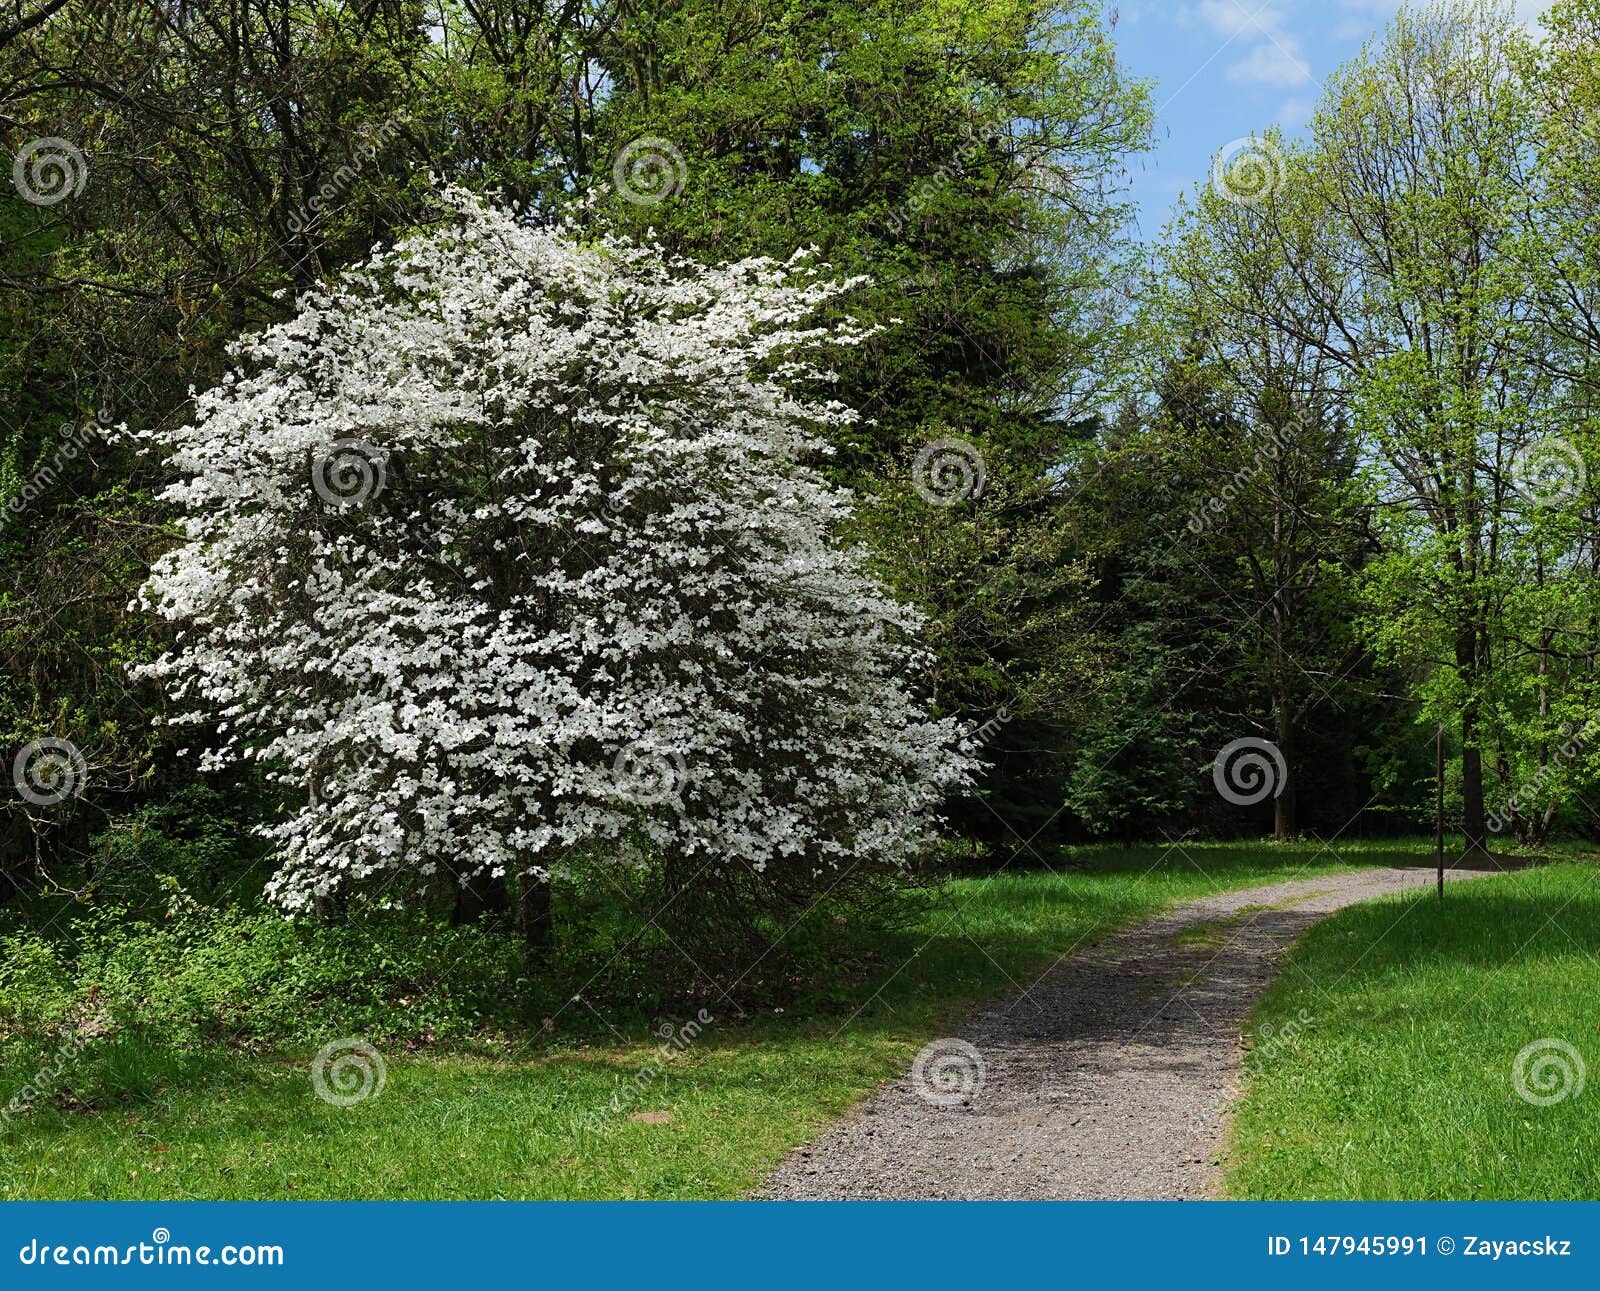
(1108, 1078)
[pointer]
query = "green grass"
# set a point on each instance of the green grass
(517, 1120)
(1398, 1027)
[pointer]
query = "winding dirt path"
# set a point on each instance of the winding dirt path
(1108, 1078)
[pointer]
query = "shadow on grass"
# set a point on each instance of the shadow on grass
(1522, 917)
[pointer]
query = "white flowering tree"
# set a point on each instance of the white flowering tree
(505, 552)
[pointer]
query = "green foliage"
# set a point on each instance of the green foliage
(1137, 762)
(199, 976)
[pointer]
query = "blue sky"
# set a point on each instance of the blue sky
(1226, 68)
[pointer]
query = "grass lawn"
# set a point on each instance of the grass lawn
(520, 1122)
(1398, 1026)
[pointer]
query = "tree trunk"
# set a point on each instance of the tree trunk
(1285, 823)
(533, 915)
(1474, 823)
(1473, 820)
(18, 853)
(328, 908)
(481, 896)
(1543, 822)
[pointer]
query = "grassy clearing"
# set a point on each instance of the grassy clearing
(1398, 1026)
(517, 1119)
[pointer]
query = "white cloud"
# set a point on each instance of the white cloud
(1295, 112)
(1272, 54)
(1239, 17)
(1275, 62)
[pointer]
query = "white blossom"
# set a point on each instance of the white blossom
(590, 533)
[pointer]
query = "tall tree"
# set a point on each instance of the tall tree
(1279, 529)
(1413, 289)
(969, 161)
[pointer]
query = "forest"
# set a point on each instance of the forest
(504, 500)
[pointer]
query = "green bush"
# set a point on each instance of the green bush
(137, 1000)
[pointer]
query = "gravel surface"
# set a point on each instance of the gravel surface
(1108, 1078)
